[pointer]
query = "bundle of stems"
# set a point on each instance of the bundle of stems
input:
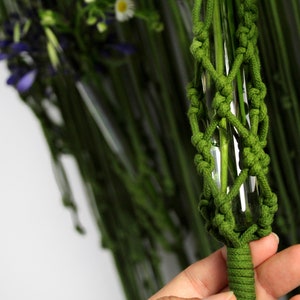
(279, 42)
(119, 89)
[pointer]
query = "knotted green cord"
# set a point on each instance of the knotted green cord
(215, 204)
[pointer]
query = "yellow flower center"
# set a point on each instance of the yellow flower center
(122, 6)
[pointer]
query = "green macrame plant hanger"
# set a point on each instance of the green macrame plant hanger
(227, 70)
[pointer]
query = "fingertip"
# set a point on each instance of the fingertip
(222, 296)
(261, 249)
(275, 236)
(224, 252)
(271, 239)
(230, 296)
(281, 273)
(264, 248)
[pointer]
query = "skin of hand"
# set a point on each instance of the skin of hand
(276, 274)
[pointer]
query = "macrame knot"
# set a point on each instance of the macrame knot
(250, 140)
(247, 37)
(225, 207)
(248, 11)
(200, 33)
(197, 50)
(256, 96)
(203, 160)
(223, 86)
(192, 93)
(240, 272)
(271, 201)
(268, 209)
(247, 51)
(196, 106)
(255, 160)
(203, 165)
(250, 6)
(254, 112)
(218, 220)
(266, 219)
(220, 105)
(242, 34)
(200, 143)
(263, 114)
(251, 12)
(200, 41)
(194, 110)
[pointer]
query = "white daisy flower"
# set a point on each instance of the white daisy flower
(124, 10)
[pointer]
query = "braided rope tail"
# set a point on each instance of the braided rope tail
(216, 203)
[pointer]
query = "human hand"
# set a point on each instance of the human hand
(276, 274)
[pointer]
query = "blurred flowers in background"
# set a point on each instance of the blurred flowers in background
(124, 10)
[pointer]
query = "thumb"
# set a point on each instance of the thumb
(222, 296)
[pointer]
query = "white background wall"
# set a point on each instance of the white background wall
(41, 255)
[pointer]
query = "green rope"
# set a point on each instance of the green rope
(215, 203)
(240, 272)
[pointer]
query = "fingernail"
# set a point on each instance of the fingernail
(224, 252)
(276, 237)
(222, 296)
(227, 295)
(230, 295)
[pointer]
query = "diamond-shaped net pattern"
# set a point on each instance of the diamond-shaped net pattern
(216, 205)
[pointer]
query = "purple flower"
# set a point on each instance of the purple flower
(26, 81)
(13, 78)
(4, 43)
(22, 80)
(20, 47)
(3, 56)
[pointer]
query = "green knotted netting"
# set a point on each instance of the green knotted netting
(216, 205)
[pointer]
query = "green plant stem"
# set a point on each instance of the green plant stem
(160, 215)
(240, 96)
(285, 65)
(91, 143)
(279, 121)
(229, 31)
(291, 230)
(149, 121)
(220, 68)
(285, 178)
(182, 40)
(159, 60)
(296, 10)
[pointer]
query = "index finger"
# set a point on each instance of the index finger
(209, 275)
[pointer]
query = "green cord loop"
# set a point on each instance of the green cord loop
(221, 105)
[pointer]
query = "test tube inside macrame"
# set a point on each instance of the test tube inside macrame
(229, 123)
(225, 146)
